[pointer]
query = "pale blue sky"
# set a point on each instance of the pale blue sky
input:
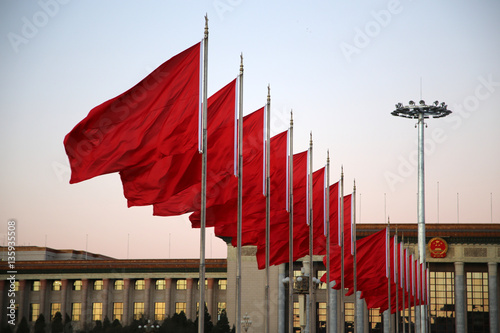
(341, 66)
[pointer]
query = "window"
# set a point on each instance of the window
(221, 306)
(375, 320)
(16, 286)
(222, 284)
(206, 284)
(296, 313)
(321, 313)
(322, 285)
(349, 316)
(160, 310)
(98, 284)
(118, 284)
(160, 285)
(180, 307)
(35, 286)
(442, 301)
(76, 311)
(181, 284)
(477, 302)
(54, 308)
(140, 285)
(118, 311)
(138, 309)
(56, 285)
(77, 285)
(96, 311)
(34, 311)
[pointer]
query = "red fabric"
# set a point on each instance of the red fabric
(319, 243)
(223, 209)
(179, 192)
(156, 117)
(279, 232)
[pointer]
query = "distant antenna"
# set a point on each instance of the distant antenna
(128, 245)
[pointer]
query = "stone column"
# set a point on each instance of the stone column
(64, 296)
(189, 297)
(105, 300)
(460, 297)
(126, 304)
(43, 297)
(21, 300)
(168, 295)
(85, 319)
(493, 295)
(210, 299)
(3, 294)
(148, 304)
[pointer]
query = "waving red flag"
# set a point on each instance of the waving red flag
(158, 116)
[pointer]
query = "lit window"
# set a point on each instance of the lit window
(117, 311)
(296, 314)
(375, 320)
(16, 286)
(98, 284)
(349, 316)
(56, 285)
(159, 311)
(160, 285)
(442, 301)
(322, 314)
(322, 285)
(138, 310)
(181, 284)
(35, 286)
(77, 285)
(222, 284)
(119, 285)
(76, 311)
(34, 311)
(96, 311)
(477, 302)
(180, 307)
(221, 306)
(206, 284)
(54, 308)
(140, 285)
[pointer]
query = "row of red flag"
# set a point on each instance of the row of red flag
(150, 134)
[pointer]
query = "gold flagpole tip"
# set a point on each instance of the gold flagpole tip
(328, 156)
(206, 24)
(354, 187)
(291, 117)
(311, 139)
(268, 93)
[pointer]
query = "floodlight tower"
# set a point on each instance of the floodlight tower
(421, 112)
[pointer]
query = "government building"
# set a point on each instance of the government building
(463, 286)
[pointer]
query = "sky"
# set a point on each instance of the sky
(341, 66)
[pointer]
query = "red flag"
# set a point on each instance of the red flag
(223, 203)
(319, 217)
(173, 185)
(158, 116)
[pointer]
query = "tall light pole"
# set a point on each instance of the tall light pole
(421, 112)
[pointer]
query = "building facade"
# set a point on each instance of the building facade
(463, 285)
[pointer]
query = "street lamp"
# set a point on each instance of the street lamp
(421, 111)
(246, 322)
(149, 327)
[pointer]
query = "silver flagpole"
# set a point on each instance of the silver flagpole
(354, 264)
(268, 206)
(341, 215)
(403, 271)
(311, 245)
(290, 228)
(389, 277)
(201, 310)
(240, 199)
(396, 276)
(327, 223)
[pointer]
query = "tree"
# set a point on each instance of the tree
(23, 326)
(68, 328)
(98, 327)
(57, 323)
(222, 325)
(40, 324)
(208, 325)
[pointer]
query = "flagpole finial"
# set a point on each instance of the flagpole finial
(354, 187)
(342, 171)
(311, 139)
(206, 25)
(268, 93)
(328, 156)
(241, 63)
(291, 118)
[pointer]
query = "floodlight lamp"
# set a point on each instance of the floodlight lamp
(422, 102)
(436, 103)
(411, 102)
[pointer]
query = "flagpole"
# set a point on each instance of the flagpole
(268, 206)
(388, 275)
(311, 245)
(240, 199)
(327, 223)
(354, 268)
(201, 311)
(290, 227)
(341, 215)
(403, 271)
(396, 277)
